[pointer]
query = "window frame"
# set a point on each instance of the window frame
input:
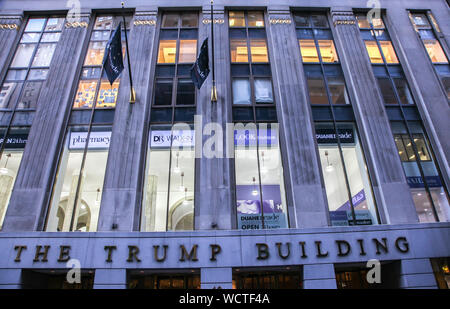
(176, 65)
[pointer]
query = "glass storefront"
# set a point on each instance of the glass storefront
(424, 206)
(169, 182)
(335, 172)
(10, 159)
(78, 189)
(140, 280)
(283, 278)
(260, 191)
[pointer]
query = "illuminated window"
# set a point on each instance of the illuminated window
(327, 51)
(255, 19)
(388, 52)
(239, 51)
(167, 51)
(309, 51)
(435, 51)
(428, 194)
(259, 50)
(373, 51)
(236, 19)
(95, 53)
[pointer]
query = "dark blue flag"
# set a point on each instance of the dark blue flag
(200, 69)
(113, 59)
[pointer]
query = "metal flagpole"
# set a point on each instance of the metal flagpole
(214, 89)
(133, 94)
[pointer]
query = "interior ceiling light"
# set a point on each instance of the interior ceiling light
(254, 192)
(182, 188)
(263, 167)
(185, 202)
(177, 168)
(330, 167)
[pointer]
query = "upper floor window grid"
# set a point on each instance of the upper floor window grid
(315, 38)
(94, 87)
(175, 95)
(29, 67)
(377, 40)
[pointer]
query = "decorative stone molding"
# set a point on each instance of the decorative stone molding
(275, 21)
(343, 18)
(207, 21)
(9, 26)
(145, 19)
(82, 24)
(151, 22)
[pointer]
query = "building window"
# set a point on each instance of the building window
(169, 183)
(287, 278)
(260, 191)
(428, 31)
(391, 79)
(251, 78)
(441, 269)
(430, 196)
(325, 79)
(29, 67)
(345, 174)
(164, 281)
(175, 94)
(377, 40)
(94, 90)
(77, 192)
(55, 279)
(10, 159)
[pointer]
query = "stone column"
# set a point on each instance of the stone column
(307, 204)
(216, 278)
(32, 189)
(110, 279)
(214, 189)
(122, 193)
(9, 29)
(10, 278)
(319, 276)
(417, 274)
(390, 188)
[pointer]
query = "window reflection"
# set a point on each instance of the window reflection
(241, 91)
(95, 53)
(107, 94)
(85, 94)
(23, 55)
(44, 55)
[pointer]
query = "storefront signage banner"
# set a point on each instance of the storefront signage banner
(417, 181)
(327, 136)
(97, 140)
(15, 141)
(177, 138)
(266, 137)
